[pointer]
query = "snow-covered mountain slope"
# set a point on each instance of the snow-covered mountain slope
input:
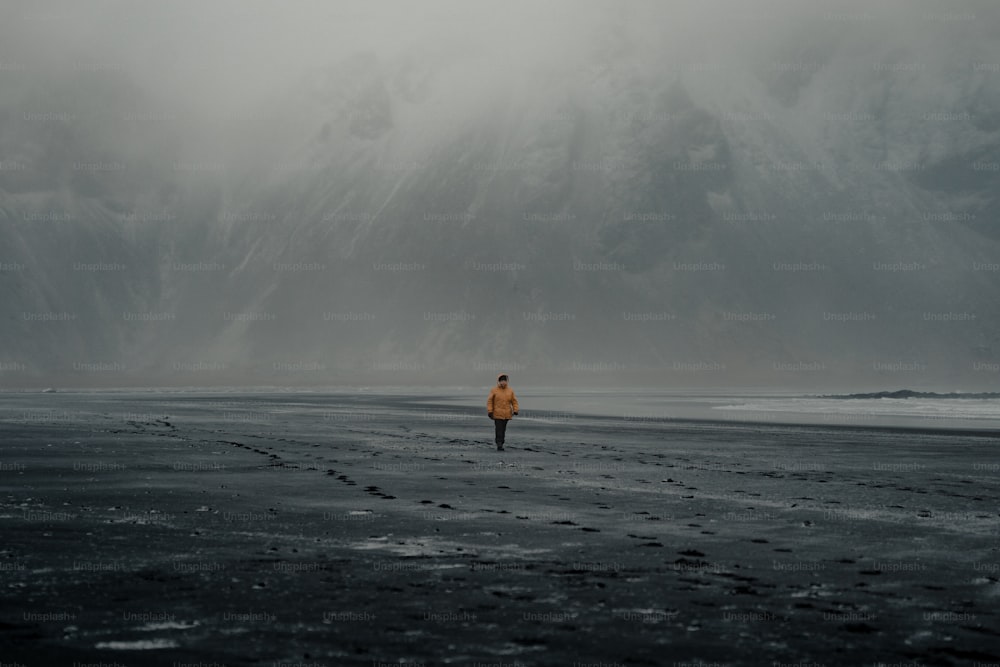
(797, 212)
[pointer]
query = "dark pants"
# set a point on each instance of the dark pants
(501, 429)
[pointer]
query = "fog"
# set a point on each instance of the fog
(679, 194)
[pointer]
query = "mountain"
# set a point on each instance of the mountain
(802, 212)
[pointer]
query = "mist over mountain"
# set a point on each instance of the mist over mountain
(679, 194)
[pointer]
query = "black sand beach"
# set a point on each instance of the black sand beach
(305, 529)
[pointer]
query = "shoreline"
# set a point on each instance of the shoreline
(684, 408)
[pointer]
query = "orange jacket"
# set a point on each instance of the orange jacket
(502, 402)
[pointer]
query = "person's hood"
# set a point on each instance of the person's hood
(500, 375)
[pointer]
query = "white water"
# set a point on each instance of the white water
(931, 412)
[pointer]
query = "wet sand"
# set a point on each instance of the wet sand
(178, 529)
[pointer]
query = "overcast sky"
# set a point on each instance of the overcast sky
(226, 52)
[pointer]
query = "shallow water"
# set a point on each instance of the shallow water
(651, 405)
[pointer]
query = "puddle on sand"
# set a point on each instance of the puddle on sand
(169, 625)
(138, 645)
(431, 547)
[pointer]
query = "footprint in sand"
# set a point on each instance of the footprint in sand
(862, 628)
(691, 552)
(375, 491)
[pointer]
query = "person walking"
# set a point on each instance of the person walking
(501, 406)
